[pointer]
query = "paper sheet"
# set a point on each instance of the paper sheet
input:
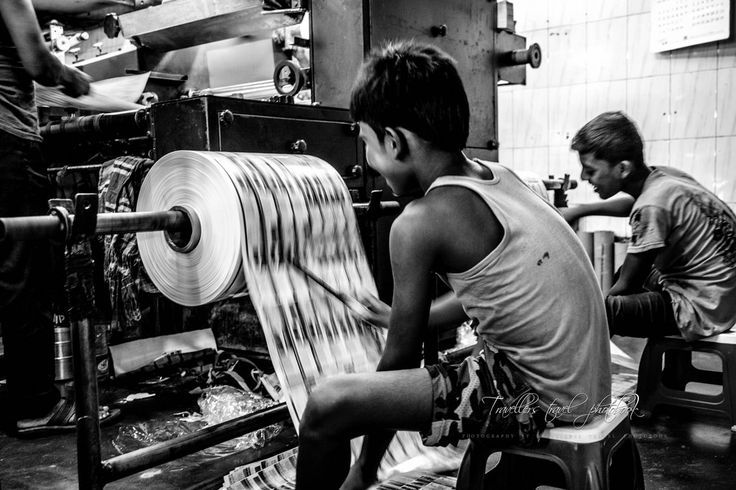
(110, 95)
(280, 208)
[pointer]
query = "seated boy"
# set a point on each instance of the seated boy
(679, 275)
(514, 265)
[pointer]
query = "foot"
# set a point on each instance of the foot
(61, 418)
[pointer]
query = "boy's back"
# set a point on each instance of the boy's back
(536, 297)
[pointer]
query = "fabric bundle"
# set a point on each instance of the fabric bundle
(124, 273)
(260, 219)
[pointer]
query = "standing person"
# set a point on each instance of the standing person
(679, 274)
(504, 251)
(26, 267)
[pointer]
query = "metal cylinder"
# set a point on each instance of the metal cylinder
(103, 126)
(63, 366)
(50, 227)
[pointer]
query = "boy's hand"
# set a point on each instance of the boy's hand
(74, 82)
(377, 312)
(570, 214)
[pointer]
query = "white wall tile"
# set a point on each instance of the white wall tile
(693, 104)
(566, 113)
(604, 96)
(638, 6)
(531, 160)
(696, 156)
(695, 58)
(726, 102)
(530, 122)
(640, 62)
(647, 102)
(566, 12)
(563, 161)
(506, 116)
(506, 156)
(727, 54)
(567, 55)
(657, 152)
(530, 15)
(605, 9)
(606, 50)
(725, 185)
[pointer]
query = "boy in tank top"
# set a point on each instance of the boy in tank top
(514, 266)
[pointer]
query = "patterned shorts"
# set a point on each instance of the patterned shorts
(484, 397)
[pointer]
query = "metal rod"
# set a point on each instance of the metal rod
(108, 126)
(49, 227)
(141, 459)
(88, 423)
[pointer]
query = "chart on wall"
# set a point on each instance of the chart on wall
(681, 23)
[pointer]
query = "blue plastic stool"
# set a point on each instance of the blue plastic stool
(653, 389)
(600, 455)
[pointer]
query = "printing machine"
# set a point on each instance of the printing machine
(307, 109)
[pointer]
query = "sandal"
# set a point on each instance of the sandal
(61, 419)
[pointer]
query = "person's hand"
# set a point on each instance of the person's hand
(570, 214)
(356, 479)
(74, 82)
(377, 312)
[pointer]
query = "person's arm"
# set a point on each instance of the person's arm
(83, 6)
(619, 205)
(412, 256)
(446, 312)
(37, 60)
(634, 272)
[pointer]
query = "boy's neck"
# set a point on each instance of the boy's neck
(635, 183)
(430, 165)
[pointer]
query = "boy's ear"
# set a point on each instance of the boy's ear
(396, 143)
(625, 167)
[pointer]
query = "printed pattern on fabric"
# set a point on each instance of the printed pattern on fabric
(124, 272)
(485, 398)
(724, 228)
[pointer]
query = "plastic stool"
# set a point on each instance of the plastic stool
(653, 391)
(594, 456)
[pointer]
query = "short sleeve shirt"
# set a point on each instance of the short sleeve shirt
(695, 235)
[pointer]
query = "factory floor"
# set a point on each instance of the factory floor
(679, 449)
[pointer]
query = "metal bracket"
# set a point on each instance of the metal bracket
(85, 214)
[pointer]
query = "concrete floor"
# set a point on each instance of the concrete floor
(679, 450)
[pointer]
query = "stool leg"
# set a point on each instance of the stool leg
(473, 467)
(729, 384)
(677, 364)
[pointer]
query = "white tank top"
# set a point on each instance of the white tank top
(536, 297)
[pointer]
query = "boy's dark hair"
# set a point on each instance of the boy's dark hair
(610, 136)
(413, 86)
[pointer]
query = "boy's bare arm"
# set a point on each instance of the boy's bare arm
(619, 205)
(634, 271)
(412, 255)
(41, 65)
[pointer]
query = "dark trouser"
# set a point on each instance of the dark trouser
(645, 314)
(26, 282)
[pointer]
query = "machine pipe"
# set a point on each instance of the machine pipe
(107, 126)
(173, 221)
(141, 459)
(50, 227)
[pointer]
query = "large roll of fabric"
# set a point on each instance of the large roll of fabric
(261, 219)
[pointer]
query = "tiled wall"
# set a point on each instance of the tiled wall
(596, 58)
